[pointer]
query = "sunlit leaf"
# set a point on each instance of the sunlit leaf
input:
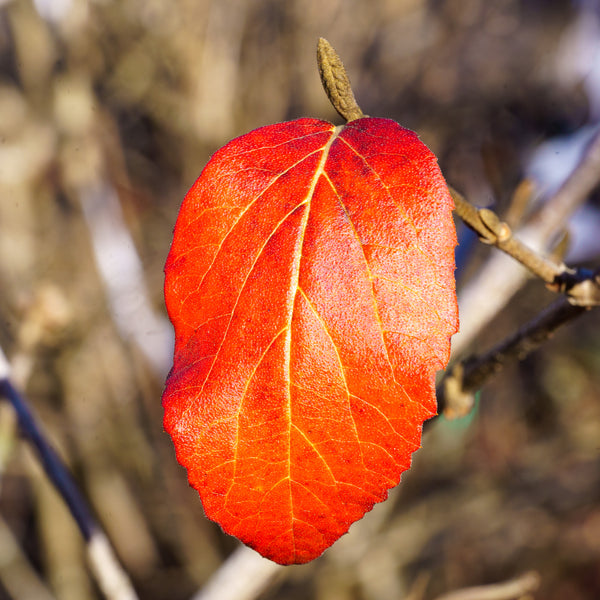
(311, 286)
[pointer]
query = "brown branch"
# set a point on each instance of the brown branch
(580, 183)
(581, 286)
(508, 590)
(493, 231)
(456, 392)
(499, 279)
(336, 82)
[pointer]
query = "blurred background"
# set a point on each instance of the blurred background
(108, 112)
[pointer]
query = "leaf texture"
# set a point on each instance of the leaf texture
(311, 286)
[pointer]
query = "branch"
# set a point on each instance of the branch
(500, 277)
(113, 581)
(582, 286)
(508, 590)
(245, 575)
(456, 392)
(493, 231)
(120, 270)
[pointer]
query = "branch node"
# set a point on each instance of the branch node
(458, 402)
(500, 230)
(581, 286)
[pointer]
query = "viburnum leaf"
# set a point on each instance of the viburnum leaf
(311, 286)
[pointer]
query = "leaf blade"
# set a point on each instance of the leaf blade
(298, 283)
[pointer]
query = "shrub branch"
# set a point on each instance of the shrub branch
(457, 391)
(112, 579)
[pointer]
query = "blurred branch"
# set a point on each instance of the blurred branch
(16, 573)
(574, 191)
(113, 581)
(580, 286)
(243, 576)
(122, 275)
(53, 465)
(501, 277)
(514, 588)
(456, 392)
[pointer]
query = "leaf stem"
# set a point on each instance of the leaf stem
(336, 82)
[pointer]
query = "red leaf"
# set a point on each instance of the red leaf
(311, 286)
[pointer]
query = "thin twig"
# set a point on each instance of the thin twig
(112, 579)
(245, 575)
(501, 277)
(582, 286)
(519, 202)
(53, 465)
(493, 231)
(455, 393)
(508, 590)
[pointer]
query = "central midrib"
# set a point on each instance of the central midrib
(293, 291)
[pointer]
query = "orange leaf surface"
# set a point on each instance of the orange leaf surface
(311, 286)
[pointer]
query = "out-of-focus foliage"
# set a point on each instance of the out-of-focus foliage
(108, 112)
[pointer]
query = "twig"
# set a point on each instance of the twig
(514, 588)
(113, 581)
(52, 464)
(519, 202)
(243, 576)
(455, 393)
(501, 277)
(580, 183)
(493, 231)
(111, 577)
(582, 286)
